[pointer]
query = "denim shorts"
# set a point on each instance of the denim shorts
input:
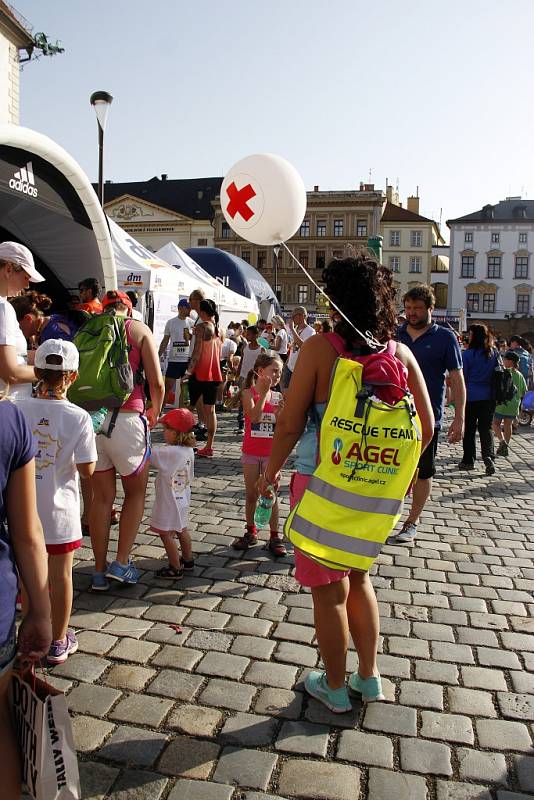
(8, 651)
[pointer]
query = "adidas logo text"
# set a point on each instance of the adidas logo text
(24, 181)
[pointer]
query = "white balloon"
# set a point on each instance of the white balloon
(263, 199)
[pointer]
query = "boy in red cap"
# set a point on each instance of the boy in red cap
(174, 461)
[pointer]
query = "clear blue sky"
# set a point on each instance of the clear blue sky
(432, 94)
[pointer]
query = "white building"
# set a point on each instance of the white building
(490, 274)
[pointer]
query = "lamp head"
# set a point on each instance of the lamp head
(101, 102)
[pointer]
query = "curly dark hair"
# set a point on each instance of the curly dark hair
(31, 302)
(363, 290)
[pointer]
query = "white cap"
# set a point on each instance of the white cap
(57, 347)
(19, 254)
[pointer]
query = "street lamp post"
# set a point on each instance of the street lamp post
(276, 252)
(101, 102)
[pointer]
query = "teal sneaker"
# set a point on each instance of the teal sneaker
(337, 700)
(370, 688)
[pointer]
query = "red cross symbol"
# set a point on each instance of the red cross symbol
(239, 199)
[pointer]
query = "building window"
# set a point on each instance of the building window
(225, 230)
(261, 259)
(305, 228)
(521, 267)
(468, 237)
(494, 266)
(338, 227)
(361, 227)
(523, 238)
(472, 302)
(522, 303)
(245, 255)
(495, 238)
(468, 267)
(303, 293)
(304, 258)
(488, 303)
(321, 227)
(278, 291)
(415, 264)
(337, 253)
(394, 238)
(394, 263)
(202, 242)
(416, 239)
(320, 259)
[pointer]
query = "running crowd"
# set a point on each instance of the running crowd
(277, 376)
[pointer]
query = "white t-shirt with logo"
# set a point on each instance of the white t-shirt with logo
(175, 465)
(304, 334)
(64, 437)
(178, 347)
(11, 334)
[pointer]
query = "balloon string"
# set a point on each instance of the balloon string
(367, 336)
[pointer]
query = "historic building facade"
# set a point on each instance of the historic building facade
(491, 269)
(408, 248)
(333, 221)
(14, 36)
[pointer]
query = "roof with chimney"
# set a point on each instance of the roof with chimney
(394, 213)
(190, 196)
(513, 209)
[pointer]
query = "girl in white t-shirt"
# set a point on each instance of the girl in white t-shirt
(66, 448)
(174, 462)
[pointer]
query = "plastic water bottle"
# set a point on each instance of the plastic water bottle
(264, 510)
(185, 399)
(97, 418)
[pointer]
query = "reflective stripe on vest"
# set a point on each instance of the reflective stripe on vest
(356, 502)
(339, 541)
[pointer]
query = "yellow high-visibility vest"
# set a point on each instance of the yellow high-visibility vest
(369, 452)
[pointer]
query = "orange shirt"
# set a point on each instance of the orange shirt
(94, 306)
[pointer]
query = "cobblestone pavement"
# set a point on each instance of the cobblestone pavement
(218, 712)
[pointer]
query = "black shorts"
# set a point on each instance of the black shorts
(285, 380)
(176, 369)
(427, 462)
(207, 390)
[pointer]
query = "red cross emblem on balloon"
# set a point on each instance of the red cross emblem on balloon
(239, 201)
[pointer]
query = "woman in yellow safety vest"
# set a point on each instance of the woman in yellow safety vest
(343, 600)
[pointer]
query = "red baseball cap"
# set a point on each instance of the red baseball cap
(115, 296)
(179, 419)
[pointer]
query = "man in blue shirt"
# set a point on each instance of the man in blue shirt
(437, 352)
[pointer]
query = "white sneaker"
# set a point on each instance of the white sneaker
(407, 534)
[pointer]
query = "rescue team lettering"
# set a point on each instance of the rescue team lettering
(359, 427)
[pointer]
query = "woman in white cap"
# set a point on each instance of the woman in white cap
(17, 270)
(280, 342)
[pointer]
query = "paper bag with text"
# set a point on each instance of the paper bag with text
(48, 758)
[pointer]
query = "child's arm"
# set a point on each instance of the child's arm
(252, 409)
(86, 470)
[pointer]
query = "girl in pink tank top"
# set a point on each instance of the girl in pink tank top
(137, 399)
(261, 406)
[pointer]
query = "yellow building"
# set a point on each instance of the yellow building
(409, 248)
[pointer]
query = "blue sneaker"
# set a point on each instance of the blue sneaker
(337, 700)
(369, 688)
(123, 574)
(407, 534)
(99, 582)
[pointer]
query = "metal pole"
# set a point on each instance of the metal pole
(100, 164)
(276, 251)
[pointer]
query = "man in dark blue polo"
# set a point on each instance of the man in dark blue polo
(437, 352)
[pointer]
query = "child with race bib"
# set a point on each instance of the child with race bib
(261, 406)
(174, 461)
(66, 448)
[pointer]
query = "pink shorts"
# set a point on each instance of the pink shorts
(261, 461)
(60, 549)
(307, 571)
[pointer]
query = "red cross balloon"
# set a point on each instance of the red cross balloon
(263, 199)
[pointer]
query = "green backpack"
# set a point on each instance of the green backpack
(105, 377)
